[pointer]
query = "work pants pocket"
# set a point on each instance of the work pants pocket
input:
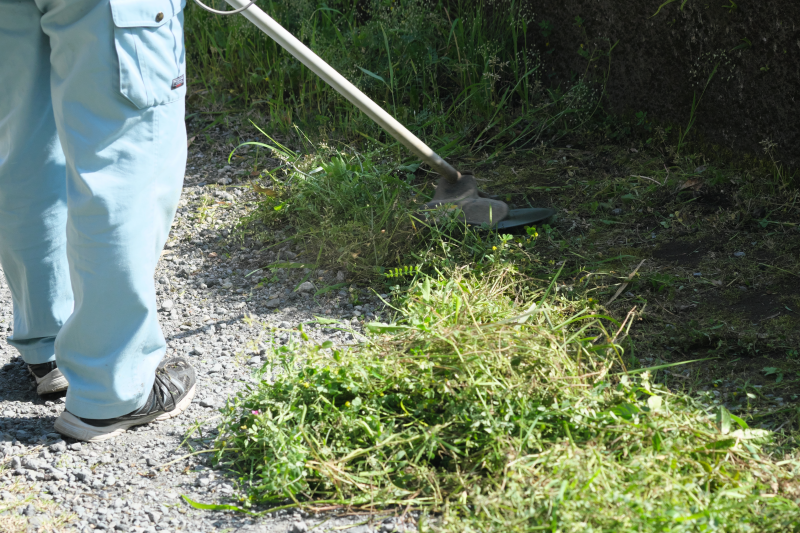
(148, 36)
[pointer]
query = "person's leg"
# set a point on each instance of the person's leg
(33, 207)
(118, 100)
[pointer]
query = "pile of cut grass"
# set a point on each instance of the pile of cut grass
(501, 406)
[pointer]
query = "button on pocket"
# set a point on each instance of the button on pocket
(148, 36)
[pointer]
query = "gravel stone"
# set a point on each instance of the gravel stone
(167, 305)
(58, 447)
(298, 527)
(33, 464)
(306, 286)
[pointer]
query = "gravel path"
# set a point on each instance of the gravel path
(221, 307)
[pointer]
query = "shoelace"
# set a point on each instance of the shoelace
(163, 387)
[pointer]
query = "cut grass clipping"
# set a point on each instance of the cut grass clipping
(501, 415)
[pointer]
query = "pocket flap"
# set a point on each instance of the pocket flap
(144, 13)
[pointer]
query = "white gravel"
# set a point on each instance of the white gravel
(213, 311)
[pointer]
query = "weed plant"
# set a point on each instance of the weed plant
(503, 407)
(459, 74)
(355, 212)
(347, 211)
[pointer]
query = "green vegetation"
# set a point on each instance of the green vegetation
(631, 366)
(501, 405)
(345, 210)
(511, 392)
(457, 73)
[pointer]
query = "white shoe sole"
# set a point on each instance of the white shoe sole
(70, 425)
(52, 383)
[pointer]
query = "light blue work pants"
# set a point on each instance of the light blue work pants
(92, 158)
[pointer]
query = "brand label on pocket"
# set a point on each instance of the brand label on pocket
(178, 82)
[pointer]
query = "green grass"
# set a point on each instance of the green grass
(502, 419)
(502, 406)
(21, 496)
(529, 381)
(459, 74)
(347, 212)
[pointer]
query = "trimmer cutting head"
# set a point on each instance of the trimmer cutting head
(479, 210)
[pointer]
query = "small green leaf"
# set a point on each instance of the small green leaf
(654, 403)
(379, 327)
(409, 168)
(658, 441)
(626, 411)
(372, 74)
(426, 289)
(723, 420)
(742, 423)
(329, 288)
(216, 507)
(723, 444)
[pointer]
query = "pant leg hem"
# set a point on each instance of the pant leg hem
(35, 354)
(94, 411)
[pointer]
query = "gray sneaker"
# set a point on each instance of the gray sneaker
(49, 378)
(171, 395)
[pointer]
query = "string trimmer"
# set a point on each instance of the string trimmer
(453, 187)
